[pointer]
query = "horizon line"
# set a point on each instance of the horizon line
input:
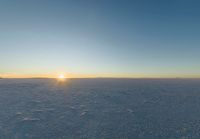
(101, 78)
(99, 75)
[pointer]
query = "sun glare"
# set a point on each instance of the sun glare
(61, 77)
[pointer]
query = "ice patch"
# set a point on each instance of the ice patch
(18, 113)
(83, 113)
(26, 119)
(38, 110)
(129, 110)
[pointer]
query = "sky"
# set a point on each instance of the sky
(100, 38)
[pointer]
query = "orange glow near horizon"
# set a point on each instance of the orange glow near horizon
(103, 75)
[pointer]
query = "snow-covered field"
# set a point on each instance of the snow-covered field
(100, 108)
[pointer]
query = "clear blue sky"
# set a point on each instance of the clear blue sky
(100, 36)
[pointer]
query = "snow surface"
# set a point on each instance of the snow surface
(100, 108)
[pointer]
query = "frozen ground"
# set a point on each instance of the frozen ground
(100, 108)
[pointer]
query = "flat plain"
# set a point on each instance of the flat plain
(100, 108)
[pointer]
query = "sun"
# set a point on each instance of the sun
(61, 77)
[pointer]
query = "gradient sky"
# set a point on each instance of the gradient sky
(122, 38)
